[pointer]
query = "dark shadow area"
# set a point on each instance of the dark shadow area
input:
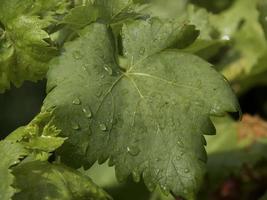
(255, 101)
(129, 191)
(236, 175)
(18, 106)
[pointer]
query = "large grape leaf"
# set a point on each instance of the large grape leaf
(24, 53)
(146, 113)
(44, 181)
(10, 154)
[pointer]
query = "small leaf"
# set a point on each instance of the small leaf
(40, 136)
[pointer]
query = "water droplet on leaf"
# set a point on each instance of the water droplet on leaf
(76, 101)
(87, 112)
(133, 151)
(226, 37)
(75, 126)
(108, 69)
(103, 127)
(186, 170)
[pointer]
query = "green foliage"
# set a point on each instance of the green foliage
(124, 111)
(10, 154)
(52, 182)
(130, 84)
(25, 47)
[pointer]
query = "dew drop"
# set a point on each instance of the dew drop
(75, 126)
(87, 112)
(77, 55)
(133, 151)
(226, 37)
(186, 170)
(76, 101)
(108, 69)
(103, 127)
(84, 67)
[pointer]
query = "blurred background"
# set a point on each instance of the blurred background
(20, 105)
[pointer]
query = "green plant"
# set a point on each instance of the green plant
(129, 84)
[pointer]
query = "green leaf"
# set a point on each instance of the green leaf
(147, 115)
(109, 11)
(53, 182)
(40, 136)
(158, 195)
(10, 154)
(240, 24)
(23, 52)
(81, 16)
(103, 175)
(113, 7)
(165, 9)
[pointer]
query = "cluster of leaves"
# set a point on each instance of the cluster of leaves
(130, 83)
